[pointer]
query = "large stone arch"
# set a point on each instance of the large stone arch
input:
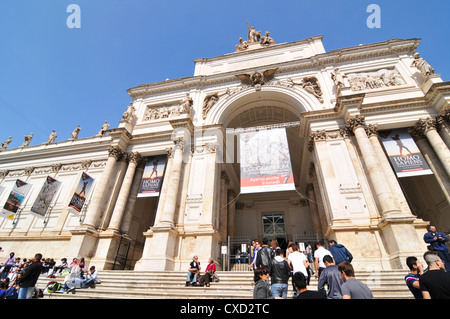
(292, 100)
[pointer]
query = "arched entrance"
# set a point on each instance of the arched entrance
(280, 215)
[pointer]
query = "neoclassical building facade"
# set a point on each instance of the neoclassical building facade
(333, 106)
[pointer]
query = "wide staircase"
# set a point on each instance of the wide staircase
(122, 284)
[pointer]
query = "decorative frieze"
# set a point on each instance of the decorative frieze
(374, 80)
(165, 111)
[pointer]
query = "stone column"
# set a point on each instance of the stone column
(223, 207)
(428, 128)
(391, 178)
(126, 221)
(122, 198)
(93, 212)
(433, 161)
(382, 190)
(443, 122)
(170, 203)
(313, 205)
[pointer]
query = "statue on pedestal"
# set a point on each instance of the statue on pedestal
(103, 129)
(52, 137)
(75, 132)
(5, 144)
(28, 139)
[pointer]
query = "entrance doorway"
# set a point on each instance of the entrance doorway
(273, 225)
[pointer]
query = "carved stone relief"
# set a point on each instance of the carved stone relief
(374, 80)
(164, 111)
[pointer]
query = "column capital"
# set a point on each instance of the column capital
(314, 136)
(115, 151)
(355, 122)
(372, 130)
(134, 157)
(425, 125)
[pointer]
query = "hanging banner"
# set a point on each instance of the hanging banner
(152, 176)
(15, 199)
(404, 155)
(45, 197)
(81, 193)
(265, 161)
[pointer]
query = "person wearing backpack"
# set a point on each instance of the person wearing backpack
(264, 256)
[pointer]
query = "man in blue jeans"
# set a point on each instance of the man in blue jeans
(436, 241)
(30, 277)
(279, 274)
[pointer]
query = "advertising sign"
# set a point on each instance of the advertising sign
(153, 176)
(265, 161)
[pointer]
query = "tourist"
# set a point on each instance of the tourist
(261, 289)
(352, 288)
(28, 281)
(412, 278)
(91, 277)
(297, 262)
(264, 256)
(435, 283)
(339, 252)
(436, 241)
(318, 257)
(279, 274)
(331, 277)
(256, 246)
(63, 265)
(193, 272)
(7, 265)
(299, 282)
(209, 273)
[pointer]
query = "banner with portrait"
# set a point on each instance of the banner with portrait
(15, 199)
(45, 197)
(403, 153)
(81, 193)
(265, 161)
(153, 176)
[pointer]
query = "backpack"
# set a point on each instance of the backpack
(53, 286)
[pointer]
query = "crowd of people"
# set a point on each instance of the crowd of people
(335, 274)
(20, 275)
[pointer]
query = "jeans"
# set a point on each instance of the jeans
(189, 276)
(25, 293)
(279, 290)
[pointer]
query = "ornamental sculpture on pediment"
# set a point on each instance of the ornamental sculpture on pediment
(75, 132)
(254, 37)
(422, 65)
(103, 129)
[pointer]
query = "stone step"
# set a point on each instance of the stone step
(232, 285)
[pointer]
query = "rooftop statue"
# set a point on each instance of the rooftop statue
(422, 65)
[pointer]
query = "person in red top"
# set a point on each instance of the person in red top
(210, 270)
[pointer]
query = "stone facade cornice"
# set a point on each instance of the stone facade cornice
(315, 62)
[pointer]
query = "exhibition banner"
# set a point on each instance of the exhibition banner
(15, 199)
(403, 153)
(81, 193)
(45, 197)
(265, 161)
(153, 176)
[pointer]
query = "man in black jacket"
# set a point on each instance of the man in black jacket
(264, 256)
(279, 274)
(30, 277)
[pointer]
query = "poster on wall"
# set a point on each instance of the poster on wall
(403, 153)
(81, 193)
(45, 197)
(265, 161)
(152, 176)
(15, 199)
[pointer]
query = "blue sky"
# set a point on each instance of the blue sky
(55, 77)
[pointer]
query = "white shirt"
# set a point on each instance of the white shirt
(320, 253)
(297, 260)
